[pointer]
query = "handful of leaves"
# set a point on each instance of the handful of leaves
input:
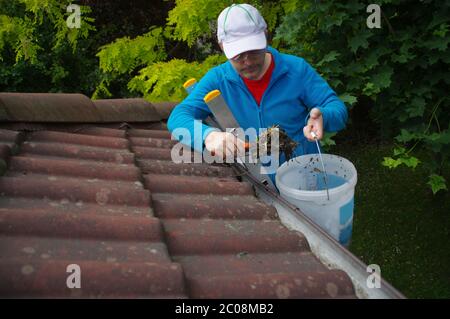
(285, 144)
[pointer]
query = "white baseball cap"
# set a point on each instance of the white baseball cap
(241, 28)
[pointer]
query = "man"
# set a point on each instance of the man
(262, 87)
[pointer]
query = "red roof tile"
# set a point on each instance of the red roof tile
(206, 236)
(211, 206)
(108, 198)
(301, 284)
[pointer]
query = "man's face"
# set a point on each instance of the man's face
(250, 64)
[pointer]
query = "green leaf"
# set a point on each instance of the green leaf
(437, 43)
(331, 56)
(433, 137)
(383, 78)
(335, 83)
(390, 162)
(410, 161)
(399, 58)
(354, 68)
(444, 137)
(370, 89)
(372, 60)
(442, 31)
(347, 98)
(406, 136)
(437, 183)
(359, 41)
(399, 151)
(327, 140)
(416, 107)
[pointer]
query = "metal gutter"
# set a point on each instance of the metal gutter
(326, 248)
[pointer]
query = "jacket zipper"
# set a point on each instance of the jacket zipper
(271, 84)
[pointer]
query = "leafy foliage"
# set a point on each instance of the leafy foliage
(39, 52)
(22, 31)
(124, 55)
(163, 81)
(401, 67)
(162, 75)
(437, 183)
(189, 20)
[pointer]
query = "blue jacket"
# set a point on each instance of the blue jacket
(294, 89)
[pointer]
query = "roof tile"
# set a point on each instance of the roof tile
(246, 263)
(73, 249)
(164, 167)
(75, 189)
(149, 133)
(80, 139)
(328, 284)
(64, 205)
(73, 151)
(125, 110)
(8, 136)
(80, 168)
(154, 153)
(153, 142)
(159, 183)
(42, 107)
(206, 236)
(40, 223)
(211, 206)
(100, 279)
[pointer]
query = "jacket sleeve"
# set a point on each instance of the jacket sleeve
(185, 120)
(317, 93)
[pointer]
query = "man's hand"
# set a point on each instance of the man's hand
(224, 144)
(315, 124)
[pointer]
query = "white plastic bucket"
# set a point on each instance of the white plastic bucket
(301, 182)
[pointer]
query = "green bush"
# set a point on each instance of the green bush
(39, 52)
(157, 75)
(402, 68)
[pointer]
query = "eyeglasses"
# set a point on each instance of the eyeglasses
(248, 55)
